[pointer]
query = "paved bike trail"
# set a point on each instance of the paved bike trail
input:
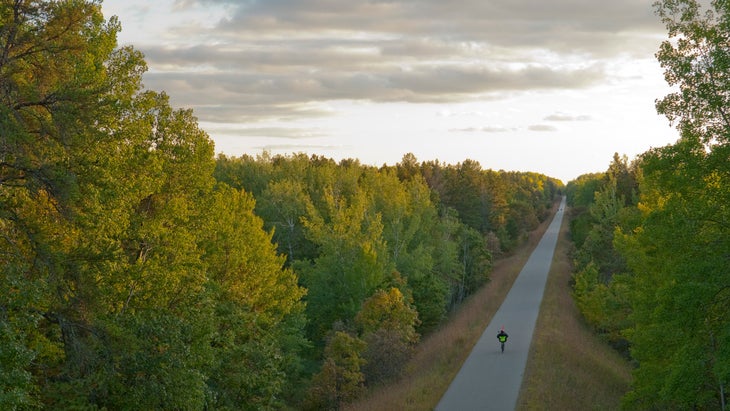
(489, 379)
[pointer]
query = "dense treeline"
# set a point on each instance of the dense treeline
(652, 238)
(139, 272)
(130, 279)
(360, 237)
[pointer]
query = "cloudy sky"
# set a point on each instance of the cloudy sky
(551, 86)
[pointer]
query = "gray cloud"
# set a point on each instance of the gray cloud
(221, 94)
(274, 59)
(542, 127)
(485, 129)
(555, 24)
(277, 132)
(567, 117)
(291, 148)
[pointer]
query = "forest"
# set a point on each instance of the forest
(142, 271)
(652, 236)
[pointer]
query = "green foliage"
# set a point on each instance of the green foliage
(675, 240)
(683, 278)
(284, 203)
(605, 306)
(468, 195)
(16, 388)
(139, 272)
(696, 59)
(340, 379)
(602, 279)
(580, 228)
(258, 312)
(349, 230)
(475, 263)
(588, 293)
(158, 361)
(389, 310)
(411, 233)
(430, 297)
(124, 269)
(352, 262)
(387, 324)
(598, 244)
(581, 191)
(679, 255)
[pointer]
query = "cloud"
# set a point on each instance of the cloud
(222, 94)
(567, 117)
(272, 59)
(486, 129)
(291, 148)
(276, 132)
(450, 113)
(542, 128)
(555, 24)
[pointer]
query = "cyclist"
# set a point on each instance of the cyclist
(502, 337)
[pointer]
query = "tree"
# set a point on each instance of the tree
(468, 195)
(698, 63)
(119, 289)
(408, 167)
(63, 87)
(623, 176)
(581, 194)
(352, 263)
(475, 262)
(679, 255)
(411, 234)
(284, 203)
(349, 230)
(340, 380)
(387, 324)
(602, 279)
(598, 244)
(258, 314)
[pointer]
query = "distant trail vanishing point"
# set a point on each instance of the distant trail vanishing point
(490, 380)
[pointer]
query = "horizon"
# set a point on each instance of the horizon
(554, 88)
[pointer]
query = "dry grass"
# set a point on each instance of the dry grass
(439, 356)
(569, 368)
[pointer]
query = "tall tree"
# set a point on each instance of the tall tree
(114, 295)
(680, 287)
(697, 61)
(410, 231)
(60, 78)
(352, 263)
(387, 324)
(602, 279)
(341, 379)
(680, 255)
(468, 195)
(257, 308)
(283, 204)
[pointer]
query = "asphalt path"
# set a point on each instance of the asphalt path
(490, 379)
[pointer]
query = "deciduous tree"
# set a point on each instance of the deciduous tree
(680, 254)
